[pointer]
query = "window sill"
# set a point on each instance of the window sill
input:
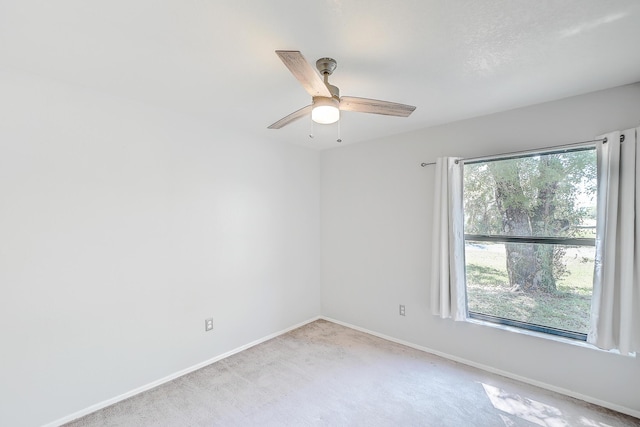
(542, 335)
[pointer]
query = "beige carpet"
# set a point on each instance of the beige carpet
(324, 374)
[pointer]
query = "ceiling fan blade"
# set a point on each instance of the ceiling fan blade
(365, 105)
(292, 117)
(304, 72)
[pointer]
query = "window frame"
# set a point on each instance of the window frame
(491, 238)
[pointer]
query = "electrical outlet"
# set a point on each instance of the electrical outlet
(208, 324)
(401, 310)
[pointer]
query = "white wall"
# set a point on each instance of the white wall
(376, 216)
(122, 227)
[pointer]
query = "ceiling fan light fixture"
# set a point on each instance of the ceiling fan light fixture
(325, 110)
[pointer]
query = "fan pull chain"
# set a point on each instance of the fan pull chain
(313, 125)
(339, 138)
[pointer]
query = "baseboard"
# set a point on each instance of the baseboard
(172, 377)
(566, 392)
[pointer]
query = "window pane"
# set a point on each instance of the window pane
(490, 292)
(546, 195)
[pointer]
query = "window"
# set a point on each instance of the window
(530, 240)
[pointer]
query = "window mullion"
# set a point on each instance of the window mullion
(567, 241)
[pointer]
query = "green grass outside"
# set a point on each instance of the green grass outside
(489, 292)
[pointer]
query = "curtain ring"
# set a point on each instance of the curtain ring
(622, 138)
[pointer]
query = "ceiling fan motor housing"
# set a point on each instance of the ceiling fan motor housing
(326, 67)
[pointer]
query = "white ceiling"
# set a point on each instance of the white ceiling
(215, 59)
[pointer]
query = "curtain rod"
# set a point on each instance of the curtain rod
(604, 140)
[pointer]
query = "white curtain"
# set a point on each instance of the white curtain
(448, 297)
(615, 309)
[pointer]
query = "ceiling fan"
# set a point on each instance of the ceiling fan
(326, 101)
